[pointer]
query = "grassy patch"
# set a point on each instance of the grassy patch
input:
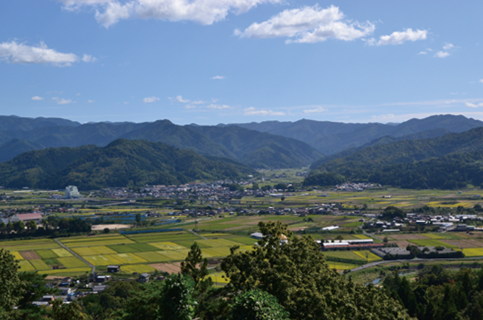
(244, 240)
(343, 255)
(219, 277)
(340, 265)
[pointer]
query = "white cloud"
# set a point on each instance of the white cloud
(474, 105)
(90, 101)
(150, 99)
(399, 37)
(218, 106)
(14, 52)
(423, 52)
(308, 25)
(62, 100)
(180, 99)
(448, 46)
(37, 98)
(205, 12)
(254, 112)
(88, 58)
(481, 80)
(442, 54)
(315, 110)
(218, 77)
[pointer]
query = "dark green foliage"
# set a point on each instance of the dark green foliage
(297, 275)
(257, 305)
(448, 162)
(176, 300)
(10, 282)
(119, 164)
(195, 267)
(392, 212)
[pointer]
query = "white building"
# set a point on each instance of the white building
(71, 192)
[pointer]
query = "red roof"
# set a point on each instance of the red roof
(29, 216)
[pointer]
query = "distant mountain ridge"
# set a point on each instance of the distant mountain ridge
(259, 150)
(450, 161)
(121, 163)
(332, 137)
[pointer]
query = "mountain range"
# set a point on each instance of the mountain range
(121, 163)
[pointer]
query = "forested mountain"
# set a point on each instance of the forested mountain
(450, 161)
(259, 150)
(332, 137)
(24, 124)
(119, 164)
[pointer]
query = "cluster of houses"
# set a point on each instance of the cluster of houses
(446, 222)
(350, 186)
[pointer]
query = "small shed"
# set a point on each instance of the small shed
(113, 269)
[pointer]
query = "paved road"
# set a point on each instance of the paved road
(76, 255)
(198, 235)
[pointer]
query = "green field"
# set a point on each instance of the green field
(38, 264)
(139, 268)
(25, 266)
(153, 256)
(370, 256)
(473, 252)
(46, 254)
(62, 252)
(88, 251)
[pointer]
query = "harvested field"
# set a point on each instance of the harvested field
(166, 267)
(465, 243)
(407, 236)
(62, 252)
(29, 255)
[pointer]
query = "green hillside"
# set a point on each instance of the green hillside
(448, 162)
(121, 163)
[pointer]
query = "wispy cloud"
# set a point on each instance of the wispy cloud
(254, 112)
(474, 105)
(37, 98)
(150, 99)
(218, 106)
(90, 101)
(218, 77)
(62, 100)
(308, 25)
(399, 37)
(442, 54)
(109, 12)
(315, 110)
(14, 52)
(88, 58)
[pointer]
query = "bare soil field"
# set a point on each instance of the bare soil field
(167, 267)
(465, 243)
(30, 255)
(401, 244)
(408, 237)
(110, 226)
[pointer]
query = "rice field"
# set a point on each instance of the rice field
(219, 277)
(129, 258)
(153, 256)
(473, 252)
(177, 255)
(71, 262)
(340, 265)
(343, 255)
(139, 268)
(88, 251)
(17, 255)
(370, 256)
(103, 260)
(65, 272)
(25, 266)
(168, 246)
(62, 253)
(39, 264)
(47, 254)
(29, 247)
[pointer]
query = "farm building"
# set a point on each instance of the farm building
(350, 244)
(113, 269)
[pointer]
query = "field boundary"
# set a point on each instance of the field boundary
(76, 255)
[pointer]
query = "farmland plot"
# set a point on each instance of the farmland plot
(87, 251)
(62, 252)
(71, 262)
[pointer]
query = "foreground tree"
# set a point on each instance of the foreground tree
(257, 305)
(9, 283)
(176, 301)
(295, 272)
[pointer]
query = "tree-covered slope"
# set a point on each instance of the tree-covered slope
(119, 164)
(450, 161)
(8, 123)
(260, 150)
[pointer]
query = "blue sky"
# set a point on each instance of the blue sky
(226, 61)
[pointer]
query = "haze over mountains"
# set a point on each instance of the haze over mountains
(336, 151)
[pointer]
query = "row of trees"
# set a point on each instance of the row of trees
(52, 225)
